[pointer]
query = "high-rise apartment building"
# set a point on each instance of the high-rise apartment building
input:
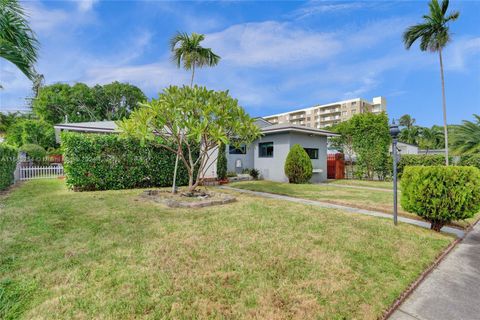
(325, 115)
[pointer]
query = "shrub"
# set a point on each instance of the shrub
(30, 131)
(35, 153)
(8, 163)
(470, 160)
(254, 173)
(441, 194)
(105, 162)
(221, 162)
(420, 160)
(231, 174)
(298, 166)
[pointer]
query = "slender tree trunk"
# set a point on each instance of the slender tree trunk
(445, 129)
(193, 75)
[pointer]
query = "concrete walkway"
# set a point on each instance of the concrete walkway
(457, 232)
(452, 290)
(356, 187)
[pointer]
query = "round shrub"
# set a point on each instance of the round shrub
(298, 166)
(441, 194)
(35, 153)
(254, 173)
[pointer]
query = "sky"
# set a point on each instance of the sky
(276, 56)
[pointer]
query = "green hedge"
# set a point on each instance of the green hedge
(420, 160)
(441, 194)
(8, 163)
(470, 160)
(105, 162)
(298, 166)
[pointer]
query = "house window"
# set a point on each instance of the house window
(265, 150)
(312, 153)
(240, 150)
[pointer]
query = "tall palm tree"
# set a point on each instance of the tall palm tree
(18, 43)
(466, 137)
(430, 138)
(410, 135)
(434, 34)
(186, 50)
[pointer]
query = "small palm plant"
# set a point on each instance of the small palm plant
(18, 43)
(186, 50)
(466, 138)
(434, 34)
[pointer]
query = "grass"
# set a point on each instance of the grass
(365, 183)
(110, 255)
(354, 197)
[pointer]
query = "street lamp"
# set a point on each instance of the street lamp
(394, 131)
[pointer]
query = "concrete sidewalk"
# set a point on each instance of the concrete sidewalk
(452, 290)
(356, 187)
(457, 232)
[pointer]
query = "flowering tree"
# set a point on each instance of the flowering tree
(191, 122)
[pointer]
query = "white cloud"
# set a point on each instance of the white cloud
(85, 5)
(271, 43)
(318, 7)
(460, 51)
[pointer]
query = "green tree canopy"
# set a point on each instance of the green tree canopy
(31, 131)
(195, 117)
(80, 102)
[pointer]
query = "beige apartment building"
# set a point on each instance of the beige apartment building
(325, 115)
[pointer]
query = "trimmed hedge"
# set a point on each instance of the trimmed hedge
(441, 194)
(8, 163)
(298, 166)
(222, 162)
(420, 160)
(110, 162)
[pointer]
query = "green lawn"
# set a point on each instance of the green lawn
(354, 197)
(364, 183)
(109, 255)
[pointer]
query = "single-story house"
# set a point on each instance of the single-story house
(266, 154)
(405, 148)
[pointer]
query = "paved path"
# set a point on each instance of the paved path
(356, 187)
(459, 233)
(452, 290)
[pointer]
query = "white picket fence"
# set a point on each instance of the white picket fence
(29, 173)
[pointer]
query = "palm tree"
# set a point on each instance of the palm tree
(430, 138)
(434, 34)
(466, 137)
(18, 43)
(406, 121)
(186, 50)
(410, 135)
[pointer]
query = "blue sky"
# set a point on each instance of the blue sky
(276, 56)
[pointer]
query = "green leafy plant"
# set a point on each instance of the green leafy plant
(370, 141)
(231, 174)
(466, 137)
(31, 131)
(254, 173)
(441, 194)
(35, 153)
(109, 162)
(419, 160)
(298, 166)
(18, 43)
(191, 116)
(221, 162)
(470, 160)
(8, 163)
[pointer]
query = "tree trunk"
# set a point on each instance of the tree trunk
(193, 75)
(444, 108)
(437, 225)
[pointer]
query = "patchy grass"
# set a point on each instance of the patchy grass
(107, 255)
(377, 200)
(365, 183)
